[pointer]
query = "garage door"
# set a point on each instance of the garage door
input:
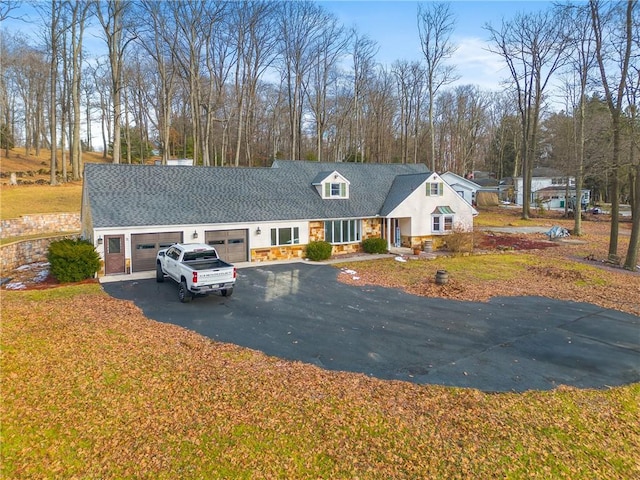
(145, 247)
(230, 244)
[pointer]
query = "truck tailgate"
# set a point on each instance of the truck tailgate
(209, 277)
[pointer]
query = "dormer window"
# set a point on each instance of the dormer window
(335, 190)
(331, 185)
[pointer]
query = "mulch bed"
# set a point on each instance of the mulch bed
(508, 241)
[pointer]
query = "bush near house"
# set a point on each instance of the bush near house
(318, 251)
(73, 260)
(374, 245)
(460, 241)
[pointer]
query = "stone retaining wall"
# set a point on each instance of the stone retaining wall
(39, 224)
(24, 252)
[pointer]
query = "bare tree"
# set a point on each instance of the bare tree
(300, 25)
(463, 111)
(410, 77)
(7, 6)
(113, 16)
(255, 42)
(436, 23)
(613, 35)
(581, 62)
(330, 48)
(79, 12)
(363, 54)
(533, 47)
(54, 37)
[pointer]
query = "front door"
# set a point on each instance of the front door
(113, 254)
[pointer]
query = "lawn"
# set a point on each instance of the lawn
(93, 389)
(18, 200)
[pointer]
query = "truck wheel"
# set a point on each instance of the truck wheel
(183, 293)
(227, 292)
(159, 273)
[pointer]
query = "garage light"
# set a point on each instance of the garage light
(258, 231)
(100, 240)
(195, 234)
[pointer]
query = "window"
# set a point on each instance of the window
(442, 223)
(285, 236)
(113, 245)
(342, 231)
(434, 189)
(335, 190)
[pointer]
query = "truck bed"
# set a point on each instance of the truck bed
(206, 264)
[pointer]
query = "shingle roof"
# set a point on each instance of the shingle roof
(402, 186)
(120, 195)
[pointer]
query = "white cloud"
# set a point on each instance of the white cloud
(476, 65)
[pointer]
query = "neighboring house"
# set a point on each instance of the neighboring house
(551, 188)
(256, 214)
(464, 187)
(176, 161)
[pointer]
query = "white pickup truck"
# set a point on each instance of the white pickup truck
(197, 269)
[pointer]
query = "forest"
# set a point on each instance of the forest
(242, 83)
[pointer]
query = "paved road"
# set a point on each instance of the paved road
(301, 312)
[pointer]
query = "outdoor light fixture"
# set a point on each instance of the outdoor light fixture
(195, 234)
(258, 231)
(100, 240)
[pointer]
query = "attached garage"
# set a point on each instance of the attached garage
(145, 246)
(230, 244)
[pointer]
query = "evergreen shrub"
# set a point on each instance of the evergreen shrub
(374, 245)
(318, 251)
(73, 260)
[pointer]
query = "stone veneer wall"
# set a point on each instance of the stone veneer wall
(277, 253)
(370, 228)
(39, 224)
(24, 252)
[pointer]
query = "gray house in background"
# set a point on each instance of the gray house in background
(257, 214)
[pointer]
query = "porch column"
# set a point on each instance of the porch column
(388, 234)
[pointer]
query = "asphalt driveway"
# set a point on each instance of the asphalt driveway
(301, 312)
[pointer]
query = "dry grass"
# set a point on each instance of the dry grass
(93, 389)
(558, 272)
(18, 200)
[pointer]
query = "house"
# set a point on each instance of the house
(465, 187)
(257, 214)
(551, 189)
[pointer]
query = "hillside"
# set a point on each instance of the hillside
(32, 168)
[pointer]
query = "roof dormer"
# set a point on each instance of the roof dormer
(331, 185)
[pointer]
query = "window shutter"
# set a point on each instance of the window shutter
(327, 190)
(441, 189)
(343, 189)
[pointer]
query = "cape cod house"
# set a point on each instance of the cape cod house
(257, 214)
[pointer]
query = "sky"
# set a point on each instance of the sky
(393, 25)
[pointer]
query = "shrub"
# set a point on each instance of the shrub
(374, 245)
(317, 251)
(460, 241)
(73, 260)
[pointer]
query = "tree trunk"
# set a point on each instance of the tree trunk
(631, 261)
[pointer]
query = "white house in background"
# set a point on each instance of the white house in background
(256, 214)
(552, 189)
(464, 187)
